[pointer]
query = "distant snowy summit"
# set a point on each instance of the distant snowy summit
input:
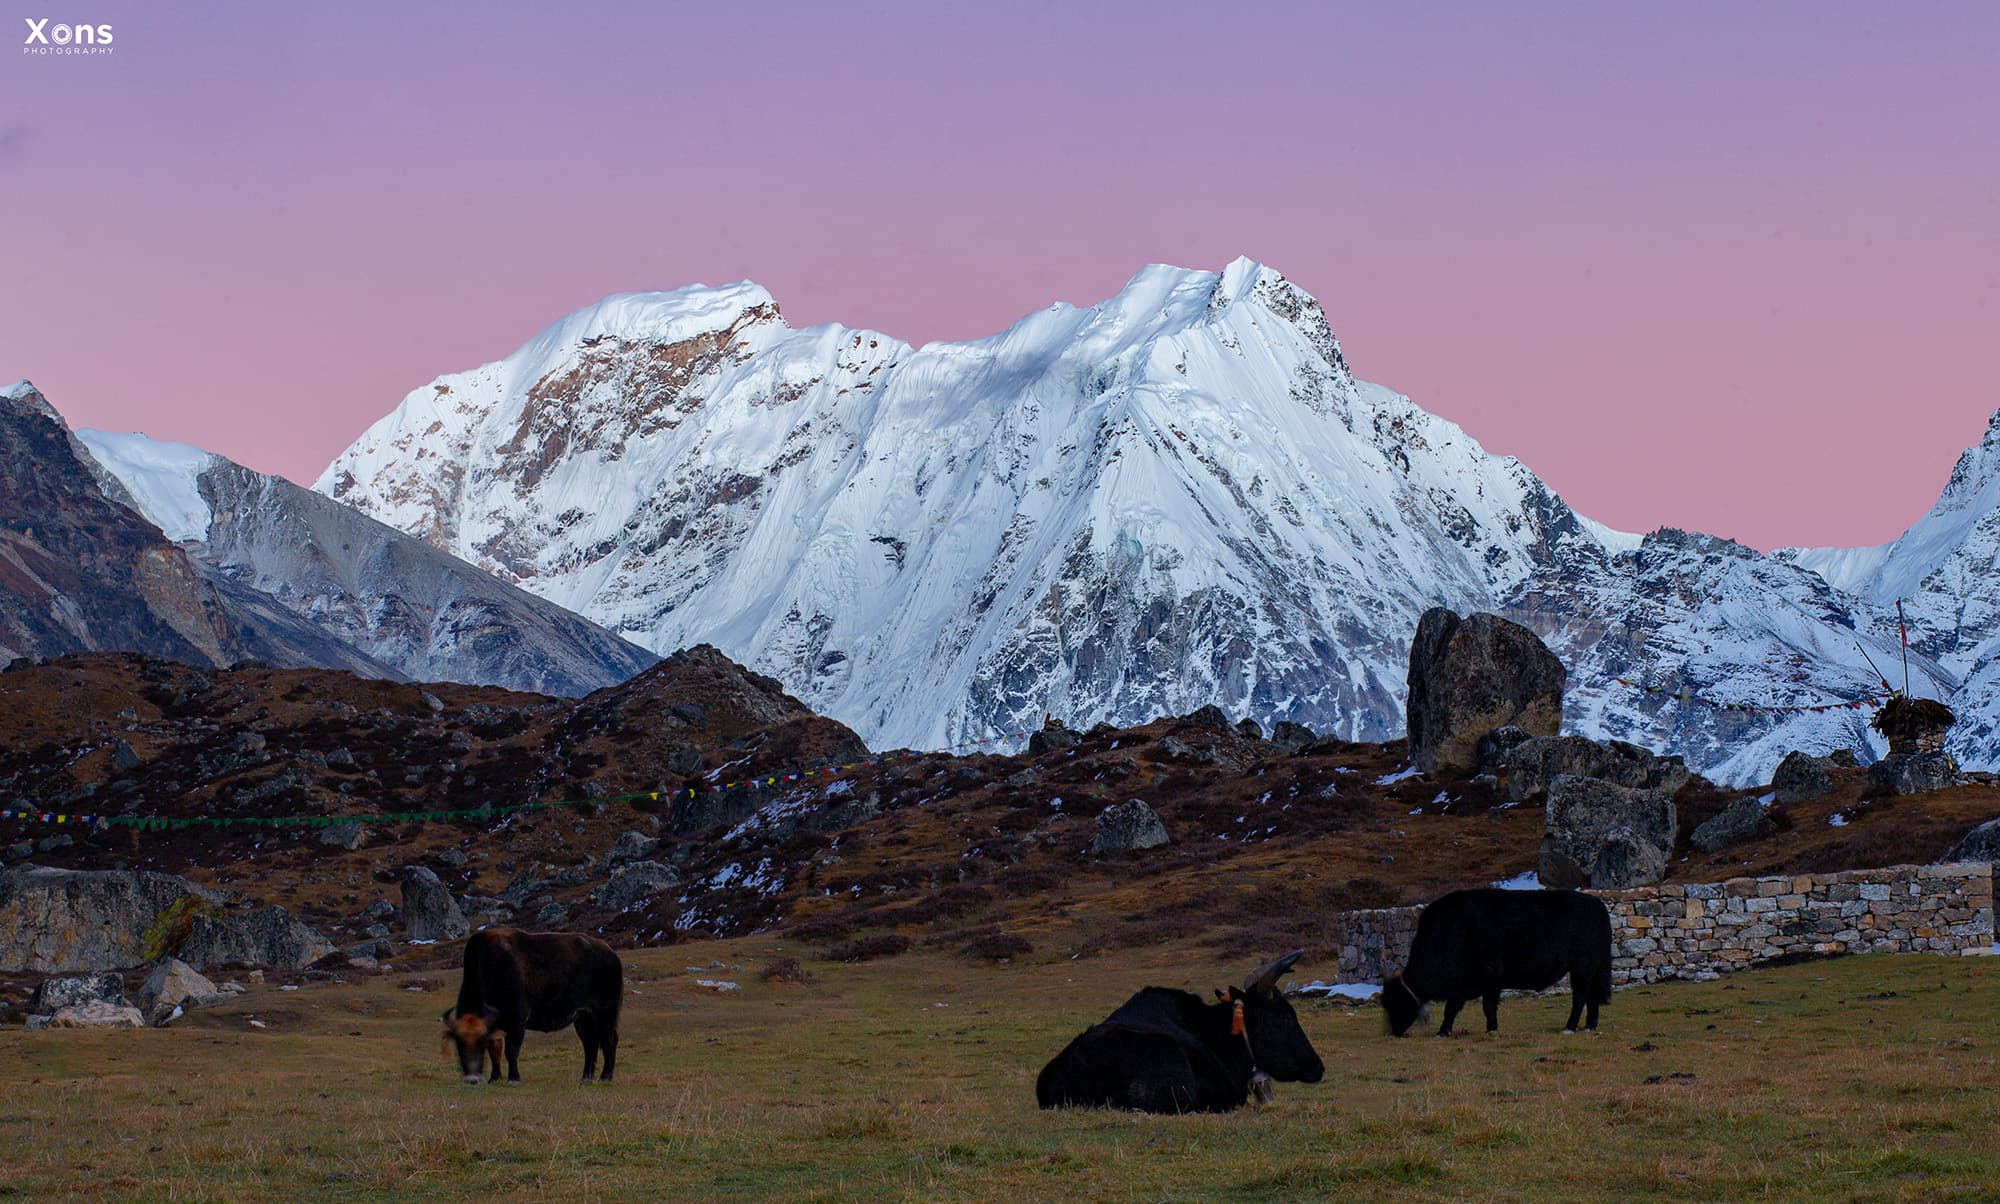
(1178, 496)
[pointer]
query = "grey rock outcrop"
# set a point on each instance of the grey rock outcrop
(1128, 825)
(1495, 746)
(56, 921)
(1744, 819)
(347, 834)
(635, 883)
(172, 984)
(54, 994)
(59, 921)
(429, 911)
(1913, 773)
(630, 846)
(1292, 737)
(267, 936)
(1801, 776)
(1532, 764)
(97, 1014)
(1469, 676)
(1053, 737)
(1605, 837)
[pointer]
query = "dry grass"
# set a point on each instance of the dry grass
(1862, 1078)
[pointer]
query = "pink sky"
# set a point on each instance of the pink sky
(1695, 266)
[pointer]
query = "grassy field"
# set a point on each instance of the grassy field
(1861, 1078)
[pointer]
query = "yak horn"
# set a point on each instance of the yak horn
(1265, 979)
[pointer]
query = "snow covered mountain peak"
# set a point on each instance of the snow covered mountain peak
(1176, 496)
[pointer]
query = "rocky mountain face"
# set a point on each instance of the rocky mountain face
(421, 611)
(79, 571)
(1176, 497)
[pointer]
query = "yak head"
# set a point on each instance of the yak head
(1277, 1042)
(475, 1037)
(1401, 1005)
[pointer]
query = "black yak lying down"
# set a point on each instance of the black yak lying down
(1168, 1051)
(1474, 944)
(515, 981)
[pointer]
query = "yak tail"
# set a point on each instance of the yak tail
(1601, 987)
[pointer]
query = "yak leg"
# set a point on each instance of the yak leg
(1491, 1003)
(514, 1036)
(1590, 1021)
(607, 1040)
(1451, 1007)
(586, 1032)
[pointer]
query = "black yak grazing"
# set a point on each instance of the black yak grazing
(1474, 944)
(515, 981)
(1169, 1051)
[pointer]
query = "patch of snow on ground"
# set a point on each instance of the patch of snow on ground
(1525, 880)
(1764, 800)
(1390, 779)
(1357, 991)
(1836, 820)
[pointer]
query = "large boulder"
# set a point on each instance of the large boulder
(267, 936)
(630, 846)
(1129, 825)
(1801, 776)
(172, 984)
(635, 883)
(1292, 737)
(1912, 773)
(1532, 764)
(55, 921)
(97, 1014)
(1605, 837)
(429, 911)
(54, 994)
(1469, 676)
(1744, 819)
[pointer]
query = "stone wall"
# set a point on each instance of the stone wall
(1677, 930)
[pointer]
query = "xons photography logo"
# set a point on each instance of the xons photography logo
(45, 37)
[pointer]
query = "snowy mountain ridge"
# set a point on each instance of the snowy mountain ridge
(1178, 496)
(401, 603)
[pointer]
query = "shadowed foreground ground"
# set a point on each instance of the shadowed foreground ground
(1858, 1078)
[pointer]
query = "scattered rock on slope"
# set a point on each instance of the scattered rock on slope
(1605, 837)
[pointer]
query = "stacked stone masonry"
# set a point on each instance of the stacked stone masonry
(1699, 930)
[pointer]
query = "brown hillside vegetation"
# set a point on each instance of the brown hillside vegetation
(984, 857)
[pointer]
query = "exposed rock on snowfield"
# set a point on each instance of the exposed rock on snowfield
(1605, 837)
(1470, 676)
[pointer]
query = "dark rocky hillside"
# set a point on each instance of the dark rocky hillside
(987, 856)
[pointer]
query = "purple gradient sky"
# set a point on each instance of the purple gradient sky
(1696, 265)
